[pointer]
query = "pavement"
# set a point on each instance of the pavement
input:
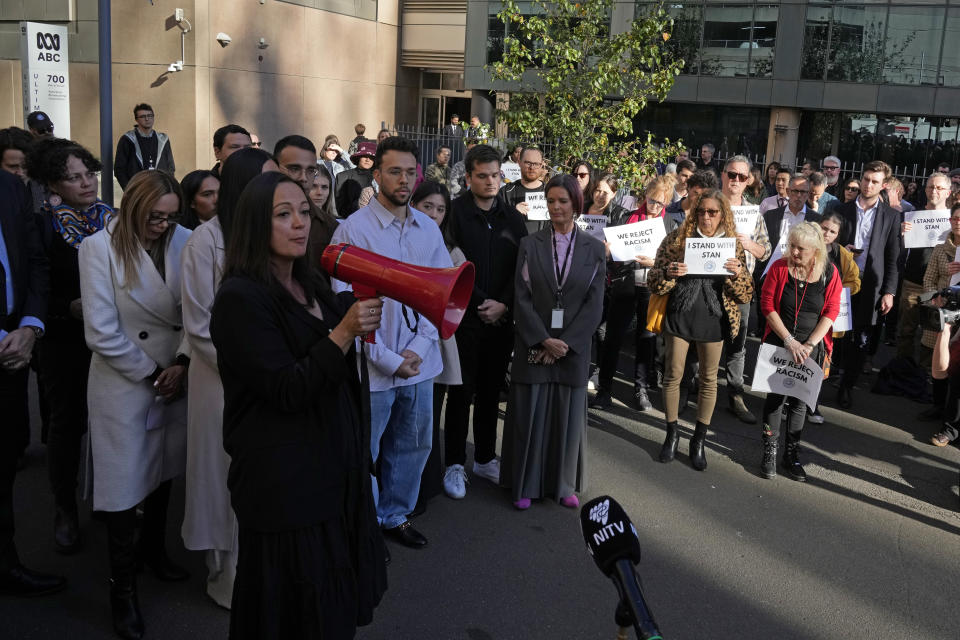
(867, 548)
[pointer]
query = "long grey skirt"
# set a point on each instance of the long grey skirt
(545, 441)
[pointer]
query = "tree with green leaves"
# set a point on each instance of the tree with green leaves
(579, 86)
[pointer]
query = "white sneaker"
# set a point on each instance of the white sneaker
(455, 481)
(490, 470)
(594, 382)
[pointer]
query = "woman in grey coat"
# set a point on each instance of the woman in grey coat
(559, 302)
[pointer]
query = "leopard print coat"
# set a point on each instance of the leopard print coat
(736, 291)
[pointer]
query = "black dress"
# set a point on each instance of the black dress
(311, 557)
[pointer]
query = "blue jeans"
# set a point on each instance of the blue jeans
(401, 429)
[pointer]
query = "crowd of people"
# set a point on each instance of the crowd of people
(192, 332)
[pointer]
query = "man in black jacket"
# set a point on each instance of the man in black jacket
(142, 148)
(488, 231)
(24, 285)
(872, 232)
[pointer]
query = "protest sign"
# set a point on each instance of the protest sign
(746, 218)
(928, 228)
(705, 256)
(593, 225)
(776, 372)
(843, 322)
(627, 241)
(537, 206)
(510, 171)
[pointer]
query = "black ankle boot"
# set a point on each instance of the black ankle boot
(791, 458)
(669, 449)
(127, 620)
(697, 456)
(769, 465)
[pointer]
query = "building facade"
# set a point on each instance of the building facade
(795, 79)
(313, 67)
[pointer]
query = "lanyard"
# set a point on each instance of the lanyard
(796, 311)
(558, 269)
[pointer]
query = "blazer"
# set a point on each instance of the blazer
(880, 274)
(29, 267)
(773, 219)
(582, 307)
(131, 329)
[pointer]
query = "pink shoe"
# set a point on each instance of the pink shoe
(571, 501)
(522, 504)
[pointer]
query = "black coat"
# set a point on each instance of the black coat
(491, 241)
(350, 184)
(879, 275)
(773, 219)
(129, 162)
(292, 410)
(28, 263)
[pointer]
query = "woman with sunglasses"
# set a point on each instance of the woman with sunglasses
(628, 296)
(130, 290)
(583, 172)
(701, 311)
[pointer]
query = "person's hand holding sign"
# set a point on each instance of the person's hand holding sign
(644, 261)
(733, 266)
(676, 269)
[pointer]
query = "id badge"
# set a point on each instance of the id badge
(556, 319)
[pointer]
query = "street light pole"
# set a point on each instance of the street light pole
(106, 100)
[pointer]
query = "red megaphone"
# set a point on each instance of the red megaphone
(439, 295)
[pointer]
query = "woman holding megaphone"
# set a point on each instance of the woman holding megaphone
(311, 561)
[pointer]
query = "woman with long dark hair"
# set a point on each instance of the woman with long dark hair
(200, 189)
(296, 427)
(209, 523)
(770, 178)
(586, 178)
(71, 214)
(130, 293)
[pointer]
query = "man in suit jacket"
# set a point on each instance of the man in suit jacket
(781, 220)
(873, 234)
(453, 129)
(24, 285)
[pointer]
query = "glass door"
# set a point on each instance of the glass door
(430, 112)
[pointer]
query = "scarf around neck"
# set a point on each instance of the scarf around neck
(75, 225)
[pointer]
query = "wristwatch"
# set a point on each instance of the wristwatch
(37, 331)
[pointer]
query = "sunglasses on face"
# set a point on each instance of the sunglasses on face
(733, 176)
(583, 174)
(710, 213)
(854, 189)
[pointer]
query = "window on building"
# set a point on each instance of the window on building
(763, 40)
(727, 40)
(950, 63)
(366, 9)
(684, 42)
(816, 39)
(913, 39)
(857, 44)
(496, 32)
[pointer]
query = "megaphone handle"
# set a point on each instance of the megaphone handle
(363, 292)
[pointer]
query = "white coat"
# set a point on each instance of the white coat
(208, 519)
(130, 331)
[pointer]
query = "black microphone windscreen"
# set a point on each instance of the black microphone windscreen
(608, 532)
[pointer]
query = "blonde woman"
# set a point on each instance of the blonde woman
(701, 311)
(130, 292)
(800, 300)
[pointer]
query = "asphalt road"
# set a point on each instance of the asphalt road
(867, 548)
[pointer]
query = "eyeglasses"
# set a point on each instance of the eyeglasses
(825, 168)
(853, 189)
(655, 204)
(45, 130)
(798, 192)
(296, 170)
(583, 174)
(737, 177)
(75, 178)
(256, 144)
(930, 186)
(527, 163)
(156, 220)
(145, 116)
(710, 213)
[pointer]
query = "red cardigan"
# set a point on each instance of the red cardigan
(777, 278)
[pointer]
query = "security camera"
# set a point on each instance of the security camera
(175, 66)
(224, 39)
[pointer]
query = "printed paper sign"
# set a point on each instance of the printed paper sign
(776, 372)
(776, 255)
(929, 228)
(627, 241)
(843, 322)
(705, 256)
(746, 217)
(510, 171)
(593, 225)
(537, 206)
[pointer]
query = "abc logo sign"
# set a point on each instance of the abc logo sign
(49, 46)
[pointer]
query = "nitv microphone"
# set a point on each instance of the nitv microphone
(613, 544)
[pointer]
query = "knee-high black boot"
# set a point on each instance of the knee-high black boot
(791, 457)
(697, 456)
(669, 449)
(768, 467)
(153, 551)
(127, 621)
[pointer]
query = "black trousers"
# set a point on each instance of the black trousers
(484, 354)
(861, 342)
(64, 366)
(621, 310)
(14, 436)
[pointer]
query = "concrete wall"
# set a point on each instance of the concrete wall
(321, 72)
